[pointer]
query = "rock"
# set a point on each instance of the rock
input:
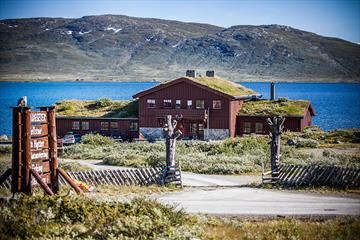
(4, 138)
(291, 142)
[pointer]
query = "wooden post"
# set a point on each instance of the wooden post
(53, 148)
(43, 185)
(5, 175)
(170, 135)
(276, 126)
(69, 180)
(16, 177)
(26, 147)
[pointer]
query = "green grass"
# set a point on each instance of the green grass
(102, 107)
(281, 107)
(230, 156)
(224, 86)
(281, 229)
(57, 217)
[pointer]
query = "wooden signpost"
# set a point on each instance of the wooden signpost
(34, 152)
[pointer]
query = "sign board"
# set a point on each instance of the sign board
(44, 177)
(40, 166)
(38, 117)
(40, 154)
(39, 143)
(39, 130)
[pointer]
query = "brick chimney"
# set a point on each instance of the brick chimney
(190, 73)
(210, 73)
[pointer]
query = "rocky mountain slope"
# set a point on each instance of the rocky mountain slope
(110, 47)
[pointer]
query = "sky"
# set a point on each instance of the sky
(334, 18)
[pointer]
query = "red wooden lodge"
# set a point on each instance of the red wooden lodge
(206, 107)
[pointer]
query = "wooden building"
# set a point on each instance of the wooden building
(205, 107)
(115, 127)
(252, 117)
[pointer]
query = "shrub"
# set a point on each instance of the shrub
(96, 139)
(50, 217)
(309, 143)
(5, 149)
(103, 102)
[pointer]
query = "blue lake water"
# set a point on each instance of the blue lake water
(337, 104)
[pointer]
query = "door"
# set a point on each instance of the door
(197, 130)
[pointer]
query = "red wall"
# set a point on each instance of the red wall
(148, 117)
(64, 125)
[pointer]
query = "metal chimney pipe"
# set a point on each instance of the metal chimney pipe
(190, 73)
(272, 91)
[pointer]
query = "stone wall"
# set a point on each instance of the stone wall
(216, 134)
(152, 133)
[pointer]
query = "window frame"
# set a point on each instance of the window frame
(191, 104)
(203, 104)
(178, 103)
(167, 103)
(131, 128)
(260, 130)
(114, 123)
(85, 125)
(218, 101)
(151, 103)
(75, 125)
(247, 127)
(102, 126)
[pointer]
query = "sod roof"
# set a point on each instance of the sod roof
(224, 86)
(229, 88)
(98, 108)
(282, 107)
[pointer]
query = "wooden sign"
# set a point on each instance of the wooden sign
(40, 154)
(40, 166)
(38, 117)
(44, 177)
(39, 130)
(39, 143)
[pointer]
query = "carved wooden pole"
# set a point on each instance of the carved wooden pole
(170, 135)
(17, 152)
(26, 147)
(276, 127)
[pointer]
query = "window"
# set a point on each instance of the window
(151, 103)
(104, 125)
(76, 125)
(85, 125)
(258, 127)
(133, 126)
(216, 104)
(189, 104)
(114, 125)
(167, 103)
(200, 104)
(178, 104)
(247, 127)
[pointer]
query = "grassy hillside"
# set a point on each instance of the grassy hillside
(122, 48)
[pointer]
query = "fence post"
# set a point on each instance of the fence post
(170, 135)
(276, 127)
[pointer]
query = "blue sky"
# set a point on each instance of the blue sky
(336, 18)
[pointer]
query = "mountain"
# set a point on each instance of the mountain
(114, 47)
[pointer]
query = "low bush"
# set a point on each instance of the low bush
(5, 149)
(56, 217)
(103, 102)
(96, 139)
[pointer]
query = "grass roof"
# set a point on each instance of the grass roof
(224, 86)
(281, 107)
(103, 107)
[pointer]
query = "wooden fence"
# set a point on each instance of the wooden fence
(314, 175)
(135, 176)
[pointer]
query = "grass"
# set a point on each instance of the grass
(281, 229)
(80, 217)
(102, 107)
(222, 85)
(281, 107)
(230, 156)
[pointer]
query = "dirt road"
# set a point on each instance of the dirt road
(228, 195)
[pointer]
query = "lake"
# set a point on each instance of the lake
(337, 105)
